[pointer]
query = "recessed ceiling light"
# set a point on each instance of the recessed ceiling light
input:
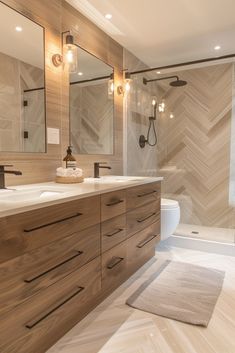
(158, 72)
(80, 73)
(108, 16)
(172, 116)
(18, 29)
(217, 47)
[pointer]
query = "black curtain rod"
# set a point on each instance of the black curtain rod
(90, 80)
(183, 64)
(33, 89)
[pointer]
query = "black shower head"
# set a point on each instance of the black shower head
(175, 83)
(178, 83)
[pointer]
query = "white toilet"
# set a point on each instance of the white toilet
(170, 217)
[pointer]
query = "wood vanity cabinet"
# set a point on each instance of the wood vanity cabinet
(26, 275)
(132, 235)
(58, 262)
(30, 230)
(113, 232)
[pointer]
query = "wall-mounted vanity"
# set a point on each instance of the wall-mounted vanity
(64, 249)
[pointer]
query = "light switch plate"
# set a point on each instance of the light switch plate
(53, 136)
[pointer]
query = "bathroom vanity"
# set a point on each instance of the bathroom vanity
(62, 253)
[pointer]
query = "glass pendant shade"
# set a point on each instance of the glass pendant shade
(70, 55)
(111, 85)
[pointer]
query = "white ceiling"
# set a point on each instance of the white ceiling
(164, 32)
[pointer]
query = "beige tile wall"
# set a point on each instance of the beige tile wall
(194, 146)
(193, 151)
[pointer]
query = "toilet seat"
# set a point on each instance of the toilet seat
(167, 204)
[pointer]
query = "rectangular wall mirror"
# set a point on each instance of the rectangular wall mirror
(22, 83)
(91, 106)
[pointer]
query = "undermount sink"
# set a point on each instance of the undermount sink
(18, 196)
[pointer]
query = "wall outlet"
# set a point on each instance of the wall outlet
(53, 136)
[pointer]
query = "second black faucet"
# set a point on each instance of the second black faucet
(97, 167)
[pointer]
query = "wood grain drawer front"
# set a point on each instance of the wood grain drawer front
(142, 195)
(30, 230)
(113, 232)
(141, 246)
(142, 217)
(42, 320)
(114, 265)
(113, 204)
(26, 275)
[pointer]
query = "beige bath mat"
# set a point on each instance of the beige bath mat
(180, 291)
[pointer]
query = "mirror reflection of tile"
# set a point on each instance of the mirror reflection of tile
(91, 106)
(22, 102)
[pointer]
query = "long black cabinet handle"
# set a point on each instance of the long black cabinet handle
(143, 243)
(51, 223)
(114, 233)
(147, 193)
(145, 218)
(33, 278)
(114, 262)
(40, 318)
(114, 203)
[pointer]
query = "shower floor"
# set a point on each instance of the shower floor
(222, 235)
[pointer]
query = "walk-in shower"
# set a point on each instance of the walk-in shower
(175, 83)
(194, 150)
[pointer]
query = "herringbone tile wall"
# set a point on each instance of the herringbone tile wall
(193, 151)
(194, 147)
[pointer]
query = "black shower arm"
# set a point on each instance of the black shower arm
(145, 81)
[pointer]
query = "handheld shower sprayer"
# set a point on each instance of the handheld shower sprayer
(142, 139)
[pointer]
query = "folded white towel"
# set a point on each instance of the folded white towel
(69, 172)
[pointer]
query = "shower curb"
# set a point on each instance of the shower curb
(226, 249)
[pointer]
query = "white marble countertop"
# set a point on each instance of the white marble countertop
(23, 198)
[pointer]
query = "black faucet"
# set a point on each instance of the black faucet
(97, 167)
(3, 172)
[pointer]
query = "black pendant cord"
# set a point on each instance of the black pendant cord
(151, 123)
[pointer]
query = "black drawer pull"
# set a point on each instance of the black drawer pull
(114, 233)
(147, 193)
(33, 278)
(145, 218)
(114, 203)
(143, 243)
(114, 262)
(40, 318)
(51, 223)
